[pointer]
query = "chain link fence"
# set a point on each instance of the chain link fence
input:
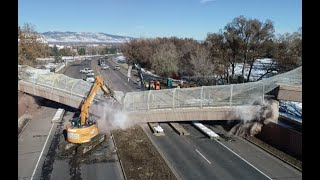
(209, 96)
(63, 83)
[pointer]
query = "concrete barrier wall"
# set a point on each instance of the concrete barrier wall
(284, 139)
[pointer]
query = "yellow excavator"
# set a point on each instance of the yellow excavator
(82, 132)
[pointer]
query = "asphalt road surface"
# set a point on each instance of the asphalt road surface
(116, 79)
(201, 158)
(38, 154)
(32, 140)
(197, 157)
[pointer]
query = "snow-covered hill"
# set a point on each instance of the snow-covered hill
(82, 37)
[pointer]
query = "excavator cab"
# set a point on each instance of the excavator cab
(75, 122)
(81, 133)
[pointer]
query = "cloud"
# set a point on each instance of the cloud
(206, 1)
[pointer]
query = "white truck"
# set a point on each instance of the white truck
(116, 67)
(104, 66)
(86, 70)
(90, 78)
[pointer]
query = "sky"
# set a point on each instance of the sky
(156, 18)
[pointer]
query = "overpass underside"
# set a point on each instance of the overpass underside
(208, 114)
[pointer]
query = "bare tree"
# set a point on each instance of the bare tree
(127, 50)
(164, 61)
(56, 54)
(184, 49)
(258, 44)
(66, 51)
(145, 50)
(30, 45)
(233, 44)
(201, 63)
(270, 50)
(216, 46)
(139, 51)
(289, 51)
(246, 39)
(200, 60)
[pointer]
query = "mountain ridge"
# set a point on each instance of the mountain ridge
(83, 37)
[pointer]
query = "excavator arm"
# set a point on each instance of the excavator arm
(81, 130)
(99, 83)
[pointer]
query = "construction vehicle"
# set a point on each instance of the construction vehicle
(154, 85)
(149, 83)
(82, 132)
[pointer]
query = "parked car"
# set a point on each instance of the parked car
(86, 70)
(104, 67)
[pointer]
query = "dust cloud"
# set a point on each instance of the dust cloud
(110, 117)
(253, 121)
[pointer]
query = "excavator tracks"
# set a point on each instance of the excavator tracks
(86, 147)
(66, 148)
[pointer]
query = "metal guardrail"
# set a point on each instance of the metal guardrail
(209, 96)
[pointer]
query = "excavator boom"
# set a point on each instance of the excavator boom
(88, 101)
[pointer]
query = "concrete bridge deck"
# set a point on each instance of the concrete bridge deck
(289, 92)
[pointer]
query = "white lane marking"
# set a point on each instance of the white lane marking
(244, 160)
(35, 169)
(203, 156)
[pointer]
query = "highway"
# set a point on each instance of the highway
(192, 157)
(271, 166)
(115, 79)
(38, 153)
(197, 157)
(37, 133)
